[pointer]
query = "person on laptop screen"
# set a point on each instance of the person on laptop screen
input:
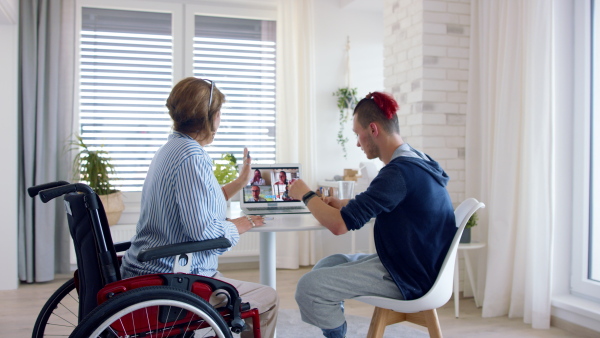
(414, 224)
(183, 202)
(282, 178)
(257, 179)
(256, 195)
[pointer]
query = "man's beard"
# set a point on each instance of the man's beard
(370, 149)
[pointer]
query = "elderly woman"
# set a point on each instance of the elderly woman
(182, 200)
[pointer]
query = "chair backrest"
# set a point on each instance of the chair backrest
(441, 291)
(89, 267)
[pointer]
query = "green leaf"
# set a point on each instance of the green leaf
(472, 221)
(93, 167)
(226, 169)
(346, 101)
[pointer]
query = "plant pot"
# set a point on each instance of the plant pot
(466, 236)
(113, 206)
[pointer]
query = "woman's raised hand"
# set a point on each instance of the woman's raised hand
(245, 171)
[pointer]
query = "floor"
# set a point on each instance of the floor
(20, 308)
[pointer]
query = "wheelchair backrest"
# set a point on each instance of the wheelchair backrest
(90, 276)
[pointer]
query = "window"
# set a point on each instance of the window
(126, 72)
(594, 224)
(130, 59)
(239, 55)
(585, 275)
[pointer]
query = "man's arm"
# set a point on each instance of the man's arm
(327, 214)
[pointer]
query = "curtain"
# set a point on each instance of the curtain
(46, 89)
(510, 142)
(296, 113)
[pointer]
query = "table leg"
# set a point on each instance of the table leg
(456, 287)
(471, 277)
(267, 259)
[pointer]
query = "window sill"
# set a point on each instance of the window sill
(579, 311)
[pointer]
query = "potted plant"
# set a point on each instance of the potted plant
(346, 101)
(466, 235)
(226, 169)
(94, 168)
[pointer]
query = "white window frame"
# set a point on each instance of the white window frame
(580, 285)
(183, 36)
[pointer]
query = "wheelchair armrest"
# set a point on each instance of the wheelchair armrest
(182, 248)
(122, 246)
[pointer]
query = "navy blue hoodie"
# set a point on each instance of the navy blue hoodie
(414, 224)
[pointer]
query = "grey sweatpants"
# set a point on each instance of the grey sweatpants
(320, 292)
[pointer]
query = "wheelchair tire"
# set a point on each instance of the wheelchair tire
(60, 315)
(119, 309)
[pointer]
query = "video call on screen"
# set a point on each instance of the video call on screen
(270, 185)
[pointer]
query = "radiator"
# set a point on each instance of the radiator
(247, 247)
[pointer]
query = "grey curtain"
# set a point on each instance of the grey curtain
(46, 120)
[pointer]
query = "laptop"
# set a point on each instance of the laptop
(267, 191)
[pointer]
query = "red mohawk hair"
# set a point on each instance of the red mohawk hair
(385, 102)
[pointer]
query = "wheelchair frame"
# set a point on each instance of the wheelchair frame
(104, 296)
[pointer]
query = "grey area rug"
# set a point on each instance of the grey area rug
(289, 325)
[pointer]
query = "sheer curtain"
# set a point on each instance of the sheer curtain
(46, 89)
(510, 151)
(296, 113)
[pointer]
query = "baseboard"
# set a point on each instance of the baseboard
(576, 330)
(238, 266)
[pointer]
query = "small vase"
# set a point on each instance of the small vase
(113, 206)
(466, 236)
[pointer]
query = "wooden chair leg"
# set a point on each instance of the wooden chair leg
(382, 318)
(433, 323)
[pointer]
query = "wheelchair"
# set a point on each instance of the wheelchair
(97, 302)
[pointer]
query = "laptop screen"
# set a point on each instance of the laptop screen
(269, 183)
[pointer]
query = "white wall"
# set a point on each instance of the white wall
(8, 139)
(362, 21)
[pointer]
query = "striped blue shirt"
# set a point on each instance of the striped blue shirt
(181, 202)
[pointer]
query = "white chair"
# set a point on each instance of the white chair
(422, 311)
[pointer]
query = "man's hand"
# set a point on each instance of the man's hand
(334, 202)
(297, 189)
(328, 215)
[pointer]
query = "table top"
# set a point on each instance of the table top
(471, 246)
(279, 222)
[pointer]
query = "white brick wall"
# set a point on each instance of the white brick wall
(426, 69)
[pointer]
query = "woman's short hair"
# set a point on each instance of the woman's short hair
(188, 105)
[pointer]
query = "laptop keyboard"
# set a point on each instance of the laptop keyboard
(278, 208)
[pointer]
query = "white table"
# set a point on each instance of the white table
(268, 247)
(465, 248)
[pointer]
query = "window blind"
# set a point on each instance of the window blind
(239, 55)
(126, 74)
(126, 63)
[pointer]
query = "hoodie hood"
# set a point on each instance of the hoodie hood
(407, 153)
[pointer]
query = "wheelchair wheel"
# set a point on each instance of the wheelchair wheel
(59, 316)
(154, 311)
